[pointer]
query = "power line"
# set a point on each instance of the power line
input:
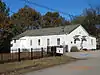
(42, 6)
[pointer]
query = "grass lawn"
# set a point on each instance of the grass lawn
(16, 68)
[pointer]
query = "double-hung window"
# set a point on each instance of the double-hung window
(58, 41)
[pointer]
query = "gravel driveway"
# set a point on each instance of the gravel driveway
(90, 66)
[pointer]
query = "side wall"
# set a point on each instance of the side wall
(29, 42)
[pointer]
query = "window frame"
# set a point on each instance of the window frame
(48, 42)
(39, 42)
(58, 41)
(30, 42)
(91, 41)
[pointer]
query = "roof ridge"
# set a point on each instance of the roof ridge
(54, 27)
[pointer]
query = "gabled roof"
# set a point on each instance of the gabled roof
(48, 31)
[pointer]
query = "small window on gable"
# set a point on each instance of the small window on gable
(79, 32)
(58, 41)
(38, 41)
(30, 42)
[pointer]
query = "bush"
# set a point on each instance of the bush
(85, 49)
(74, 49)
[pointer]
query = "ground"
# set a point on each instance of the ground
(17, 68)
(89, 66)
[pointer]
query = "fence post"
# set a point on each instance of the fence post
(19, 54)
(31, 53)
(47, 49)
(42, 52)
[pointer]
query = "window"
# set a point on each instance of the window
(91, 41)
(14, 40)
(75, 41)
(48, 42)
(71, 42)
(30, 42)
(58, 41)
(79, 32)
(38, 41)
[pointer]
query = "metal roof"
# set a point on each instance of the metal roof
(48, 31)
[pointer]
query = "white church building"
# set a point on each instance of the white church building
(69, 35)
